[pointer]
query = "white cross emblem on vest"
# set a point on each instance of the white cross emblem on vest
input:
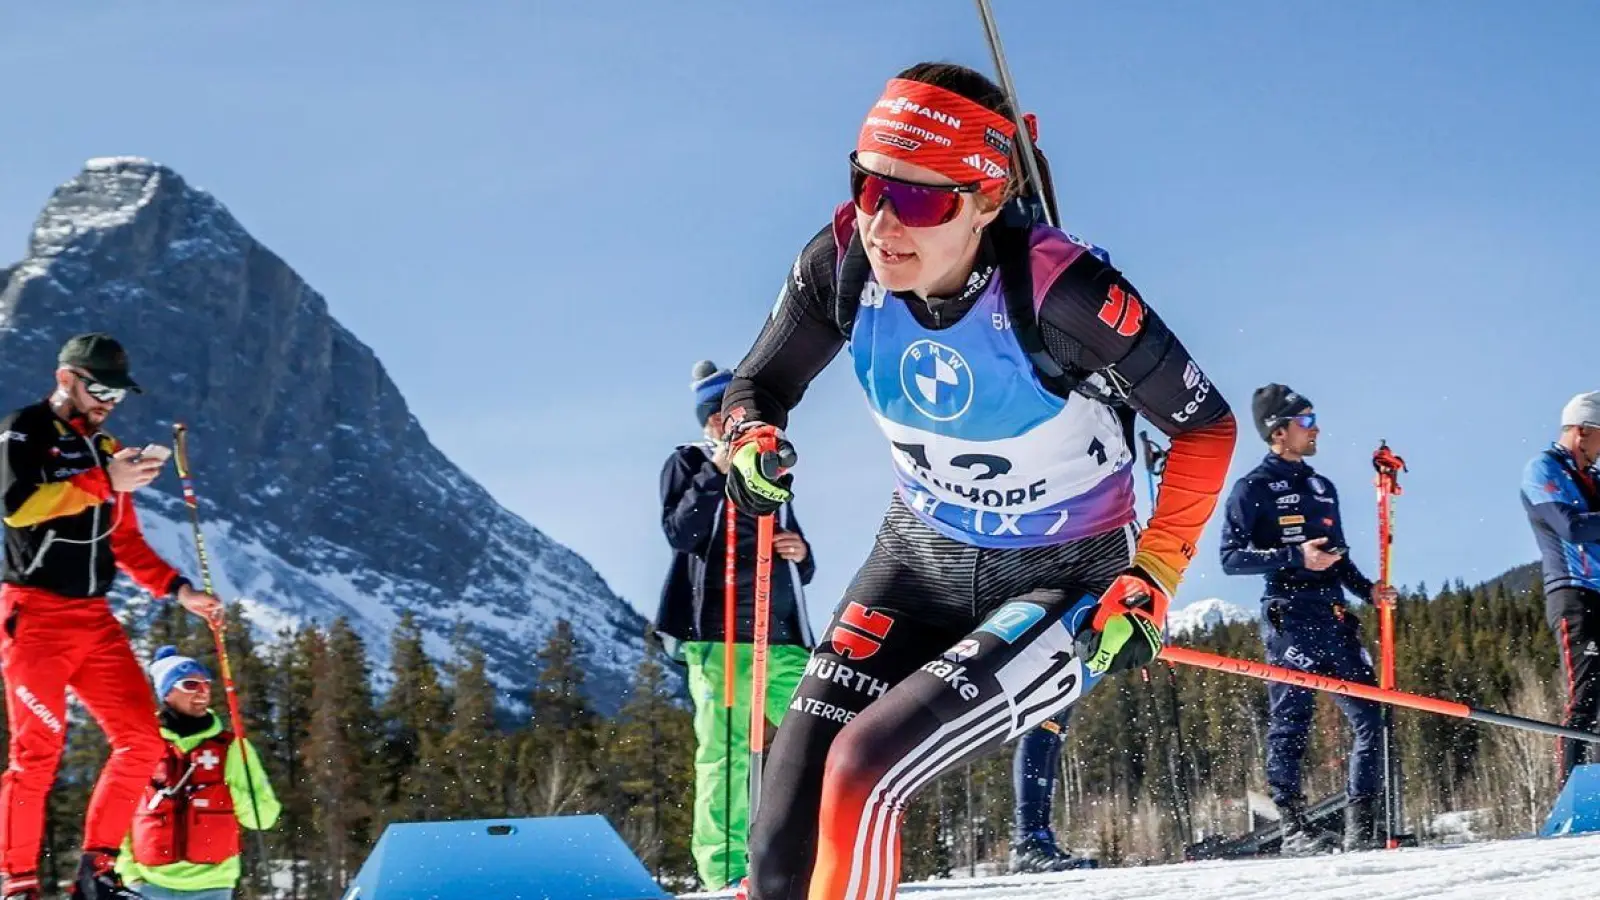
(208, 760)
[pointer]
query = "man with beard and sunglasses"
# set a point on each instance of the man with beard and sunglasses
(1004, 362)
(70, 525)
(1283, 522)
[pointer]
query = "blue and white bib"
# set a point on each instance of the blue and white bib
(982, 451)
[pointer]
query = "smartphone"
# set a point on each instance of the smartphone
(155, 451)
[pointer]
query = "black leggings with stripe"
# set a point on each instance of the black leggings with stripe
(1574, 616)
(939, 652)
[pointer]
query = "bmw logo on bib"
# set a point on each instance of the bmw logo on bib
(936, 380)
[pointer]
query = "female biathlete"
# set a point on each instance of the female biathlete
(1003, 363)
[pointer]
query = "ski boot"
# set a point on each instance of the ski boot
(1361, 825)
(1037, 851)
(98, 879)
(1300, 838)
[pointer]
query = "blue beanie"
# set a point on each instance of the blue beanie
(167, 668)
(708, 384)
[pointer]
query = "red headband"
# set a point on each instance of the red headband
(940, 130)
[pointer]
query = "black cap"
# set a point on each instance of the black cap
(102, 357)
(1275, 404)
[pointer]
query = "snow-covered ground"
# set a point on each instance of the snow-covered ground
(1531, 869)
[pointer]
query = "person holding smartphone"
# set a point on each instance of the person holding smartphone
(1283, 522)
(70, 525)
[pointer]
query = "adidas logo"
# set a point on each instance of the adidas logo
(986, 166)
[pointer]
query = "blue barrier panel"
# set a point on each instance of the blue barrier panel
(556, 858)
(1577, 808)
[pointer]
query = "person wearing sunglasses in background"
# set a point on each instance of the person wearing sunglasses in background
(185, 841)
(1003, 361)
(70, 525)
(1283, 522)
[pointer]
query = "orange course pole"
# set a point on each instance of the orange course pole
(1265, 672)
(758, 666)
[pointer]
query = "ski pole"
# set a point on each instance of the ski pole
(730, 623)
(758, 668)
(180, 455)
(1266, 672)
(1030, 164)
(1155, 465)
(1388, 466)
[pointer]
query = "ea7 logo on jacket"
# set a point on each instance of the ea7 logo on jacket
(860, 632)
(1123, 310)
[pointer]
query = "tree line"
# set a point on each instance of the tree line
(1154, 760)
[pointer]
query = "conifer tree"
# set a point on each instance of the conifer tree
(468, 761)
(555, 756)
(414, 714)
(652, 775)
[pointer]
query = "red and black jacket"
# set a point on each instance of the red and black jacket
(66, 531)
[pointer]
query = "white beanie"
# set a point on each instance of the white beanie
(168, 668)
(1583, 410)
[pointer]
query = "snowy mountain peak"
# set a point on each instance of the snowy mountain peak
(1203, 615)
(321, 493)
(109, 192)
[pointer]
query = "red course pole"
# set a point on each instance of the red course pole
(758, 669)
(1265, 672)
(1388, 466)
(730, 633)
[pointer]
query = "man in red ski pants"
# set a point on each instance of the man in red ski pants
(69, 526)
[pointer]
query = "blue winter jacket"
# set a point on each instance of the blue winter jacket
(1271, 512)
(1563, 504)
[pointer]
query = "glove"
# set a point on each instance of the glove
(758, 480)
(1125, 632)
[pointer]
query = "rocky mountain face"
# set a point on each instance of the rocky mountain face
(321, 493)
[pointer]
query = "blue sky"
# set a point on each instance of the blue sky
(540, 215)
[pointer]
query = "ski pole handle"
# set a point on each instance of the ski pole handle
(180, 456)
